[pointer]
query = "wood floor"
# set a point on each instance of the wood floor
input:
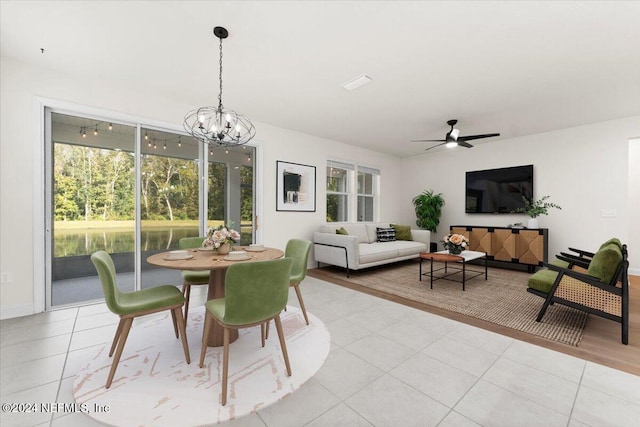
(600, 342)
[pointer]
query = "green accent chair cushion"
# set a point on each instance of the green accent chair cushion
(542, 280)
(342, 231)
(403, 232)
(605, 263)
(560, 263)
(613, 240)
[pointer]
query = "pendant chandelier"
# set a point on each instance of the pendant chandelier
(217, 125)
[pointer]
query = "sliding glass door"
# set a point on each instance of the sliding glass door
(100, 198)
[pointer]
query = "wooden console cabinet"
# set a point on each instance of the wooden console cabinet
(513, 245)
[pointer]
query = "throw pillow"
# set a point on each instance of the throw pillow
(386, 234)
(403, 232)
(342, 231)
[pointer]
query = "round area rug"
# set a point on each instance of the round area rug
(154, 386)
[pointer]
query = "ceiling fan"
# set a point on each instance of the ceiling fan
(453, 138)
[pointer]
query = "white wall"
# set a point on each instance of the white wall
(584, 169)
(20, 148)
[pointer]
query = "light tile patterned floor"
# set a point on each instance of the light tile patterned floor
(389, 365)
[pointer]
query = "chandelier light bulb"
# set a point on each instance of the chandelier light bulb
(95, 131)
(110, 126)
(146, 136)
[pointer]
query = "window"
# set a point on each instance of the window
(352, 192)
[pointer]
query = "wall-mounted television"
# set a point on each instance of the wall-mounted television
(498, 190)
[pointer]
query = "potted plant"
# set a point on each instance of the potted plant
(428, 208)
(455, 243)
(535, 208)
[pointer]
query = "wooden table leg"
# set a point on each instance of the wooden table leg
(216, 290)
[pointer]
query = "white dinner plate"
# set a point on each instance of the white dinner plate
(178, 258)
(262, 249)
(244, 258)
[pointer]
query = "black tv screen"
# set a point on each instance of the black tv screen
(498, 190)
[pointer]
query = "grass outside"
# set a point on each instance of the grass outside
(130, 224)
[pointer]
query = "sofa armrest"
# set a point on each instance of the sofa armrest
(422, 236)
(336, 249)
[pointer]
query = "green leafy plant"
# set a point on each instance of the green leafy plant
(428, 207)
(535, 208)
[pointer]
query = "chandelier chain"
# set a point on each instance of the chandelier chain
(220, 78)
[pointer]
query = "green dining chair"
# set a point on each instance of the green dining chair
(255, 293)
(298, 250)
(129, 305)
(191, 277)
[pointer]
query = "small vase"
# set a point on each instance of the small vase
(533, 223)
(224, 249)
(456, 250)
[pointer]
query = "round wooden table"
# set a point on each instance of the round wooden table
(217, 266)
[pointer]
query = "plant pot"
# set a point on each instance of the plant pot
(224, 249)
(533, 223)
(456, 250)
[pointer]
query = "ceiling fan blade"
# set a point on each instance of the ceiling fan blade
(428, 140)
(438, 145)
(471, 137)
(464, 144)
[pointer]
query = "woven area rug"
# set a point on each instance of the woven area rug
(502, 299)
(154, 386)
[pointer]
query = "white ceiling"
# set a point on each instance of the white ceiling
(517, 68)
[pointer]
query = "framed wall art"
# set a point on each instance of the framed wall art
(295, 187)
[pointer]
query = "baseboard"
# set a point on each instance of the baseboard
(10, 311)
(634, 272)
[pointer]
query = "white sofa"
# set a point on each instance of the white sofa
(360, 247)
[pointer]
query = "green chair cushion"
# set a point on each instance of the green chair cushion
(403, 232)
(190, 242)
(342, 231)
(256, 291)
(542, 280)
(216, 308)
(560, 263)
(613, 240)
(149, 299)
(298, 250)
(195, 277)
(605, 263)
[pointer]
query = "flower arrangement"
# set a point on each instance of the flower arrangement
(535, 208)
(455, 243)
(220, 235)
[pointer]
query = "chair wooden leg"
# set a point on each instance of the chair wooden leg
(187, 295)
(266, 331)
(126, 326)
(225, 366)
(262, 332)
(208, 319)
(304, 310)
(116, 337)
(183, 333)
(282, 344)
(175, 324)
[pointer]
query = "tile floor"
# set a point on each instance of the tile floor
(389, 365)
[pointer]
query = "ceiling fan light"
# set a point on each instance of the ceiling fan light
(451, 144)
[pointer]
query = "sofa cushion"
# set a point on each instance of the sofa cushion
(403, 232)
(372, 230)
(386, 234)
(342, 231)
(407, 247)
(373, 252)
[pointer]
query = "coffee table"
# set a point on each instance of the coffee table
(446, 257)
